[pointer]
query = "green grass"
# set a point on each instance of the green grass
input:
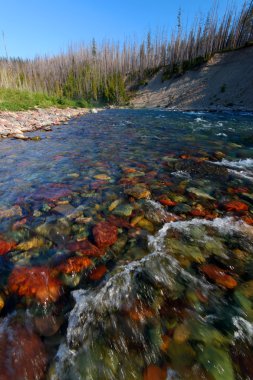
(17, 100)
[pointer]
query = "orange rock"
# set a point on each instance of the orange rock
(75, 265)
(219, 276)
(139, 312)
(129, 170)
(201, 212)
(152, 372)
(36, 282)
(6, 247)
(166, 343)
(185, 156)
(105, 234)
(236, 206)
(97, 273)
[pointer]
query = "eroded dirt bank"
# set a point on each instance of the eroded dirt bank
(225, 82)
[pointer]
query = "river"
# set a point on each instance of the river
(126, 248)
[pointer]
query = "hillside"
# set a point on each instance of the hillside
(226, 81)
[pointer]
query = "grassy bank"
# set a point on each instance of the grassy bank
(20, 100)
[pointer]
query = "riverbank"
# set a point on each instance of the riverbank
(15, 124)
(223, 83)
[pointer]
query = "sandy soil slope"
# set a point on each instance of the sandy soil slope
(226, 81)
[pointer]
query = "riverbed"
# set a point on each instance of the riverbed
(126, 248)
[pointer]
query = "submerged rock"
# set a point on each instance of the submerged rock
(199, 193)
(75, 265)
(138, 192)
(105, 234)
(201, 169)
(2, 302)
(6, 246)
(86, 248)
(217, 363)
(13, 211)
(22, 354)
(123, 210)
(36, 282)
(47, 325)
(219, 276)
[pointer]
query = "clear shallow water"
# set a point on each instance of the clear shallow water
(172, 293)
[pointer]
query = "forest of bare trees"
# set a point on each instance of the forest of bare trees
(104, 71)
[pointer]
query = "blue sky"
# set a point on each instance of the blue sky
(38, 27)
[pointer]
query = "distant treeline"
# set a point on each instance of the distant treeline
(104, 71)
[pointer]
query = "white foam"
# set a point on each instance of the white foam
(181, 174)
(244, 329)
(242, 174)
(237, 164)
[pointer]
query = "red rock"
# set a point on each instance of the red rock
(75, 265)
(248, 220)
(53, 192)
(86, 248)
(236, 206)
(19, 224)
(166, 201)
(219, 276)
(6, 246)
(198, 212)
(152, 372)
(128, 181)
(36, 282)
(238, 190)
(167, 183)
(22, 354)
(118, 222)
(105, 234)
(97, 273)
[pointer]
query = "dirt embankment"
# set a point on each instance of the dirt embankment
(225, 82)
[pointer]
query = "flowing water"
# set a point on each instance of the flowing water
(126, 249)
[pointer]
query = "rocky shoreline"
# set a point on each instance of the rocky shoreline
(15, 124)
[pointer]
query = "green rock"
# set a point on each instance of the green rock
(215, 247)
(123, 210)
(181, 355)
(138, 192)
(246, 289)
(177, 248)
(182, 208)
(199, 193)
(206, 334)
(118, 247)
(155, 336)
(217, 363)
(35, 138)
